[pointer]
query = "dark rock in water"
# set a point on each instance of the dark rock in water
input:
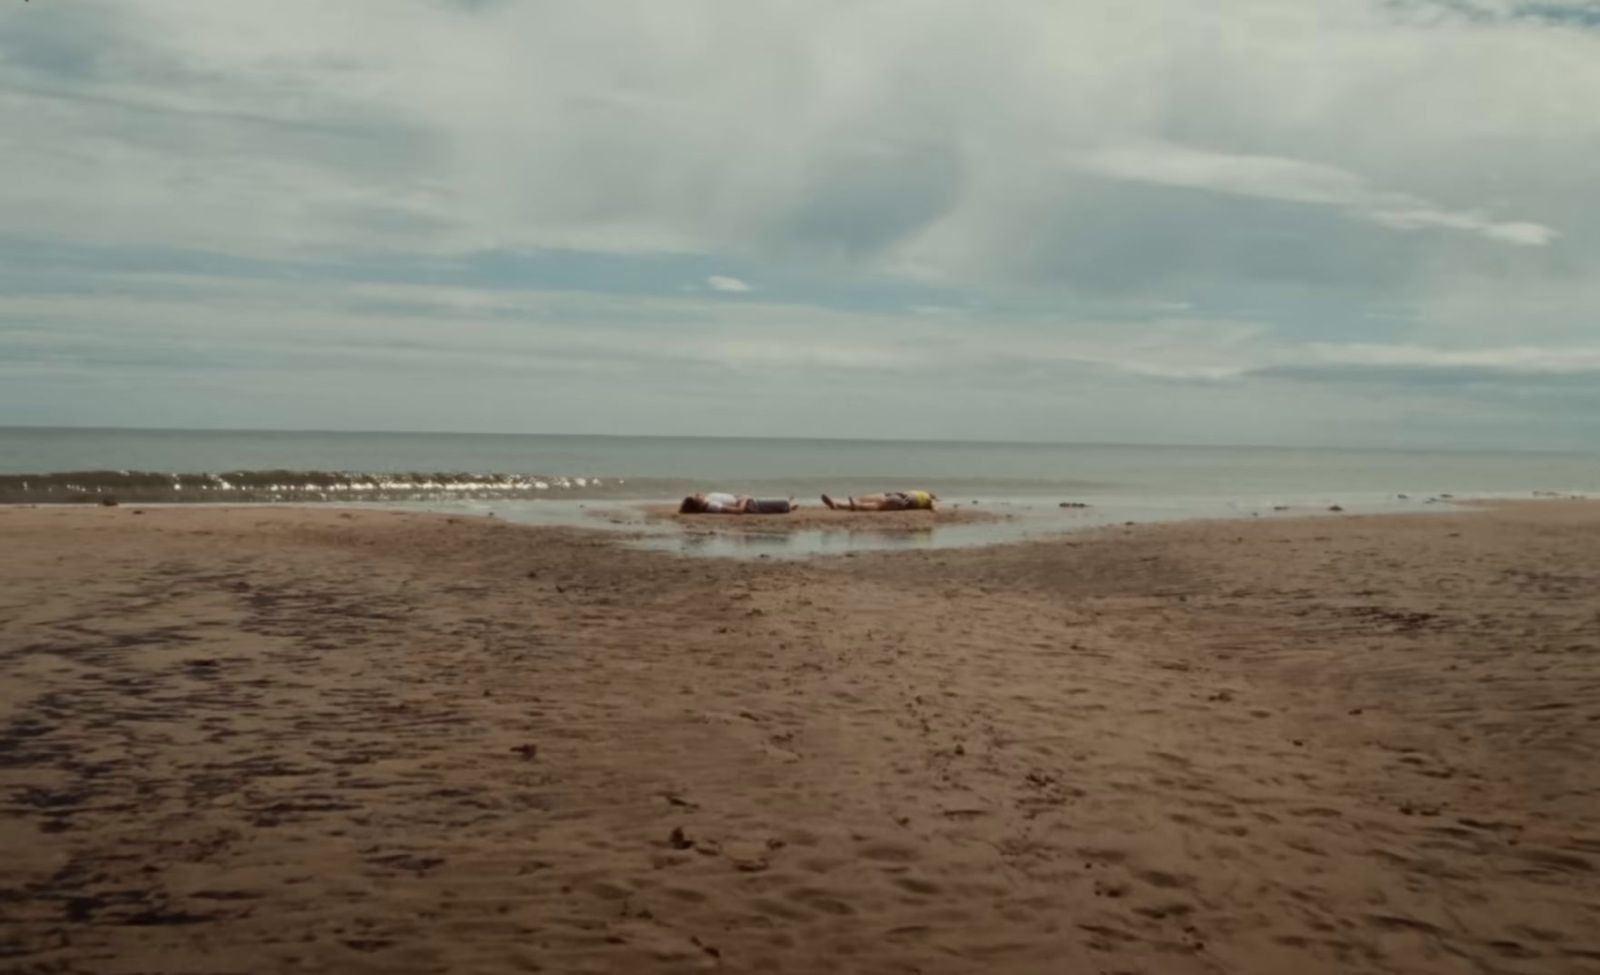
(1334, 507)
(1280, 507)
(1073, 504)
(108, 502)
(1403, 497)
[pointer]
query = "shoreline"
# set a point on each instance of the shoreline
(255, 738)
(813, 531)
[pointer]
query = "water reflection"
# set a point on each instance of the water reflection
(1024, 519)
(831, 540)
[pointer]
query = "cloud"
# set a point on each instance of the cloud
(451, 128)
(1578, 14)
(332, 353)
(1150, 216)
(1405, 214)
(1296, 181)
(1504, 360)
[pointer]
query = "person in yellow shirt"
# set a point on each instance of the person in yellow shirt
(888, 501)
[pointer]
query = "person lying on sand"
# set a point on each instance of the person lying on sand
(890, 501)
(722, 503)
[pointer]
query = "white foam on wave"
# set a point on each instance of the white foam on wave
(310, 485)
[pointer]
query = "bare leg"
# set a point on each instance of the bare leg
(876, 502)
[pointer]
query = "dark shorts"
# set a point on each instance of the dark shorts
(769, 506)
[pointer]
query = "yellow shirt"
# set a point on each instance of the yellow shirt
(920, 499)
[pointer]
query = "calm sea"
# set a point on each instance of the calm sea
(196, 465)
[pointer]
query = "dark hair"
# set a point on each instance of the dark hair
(691, 505)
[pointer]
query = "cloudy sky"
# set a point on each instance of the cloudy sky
(1253, 221)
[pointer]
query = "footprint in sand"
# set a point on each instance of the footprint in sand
(887, 853)
(821, 901)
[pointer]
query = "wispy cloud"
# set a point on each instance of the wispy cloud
(721, 282)
(1505, 360)
(1297, 181)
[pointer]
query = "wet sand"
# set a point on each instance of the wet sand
(250, 740)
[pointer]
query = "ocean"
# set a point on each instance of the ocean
(59, 464)
(600, 482)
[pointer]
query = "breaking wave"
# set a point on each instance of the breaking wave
(154, 487)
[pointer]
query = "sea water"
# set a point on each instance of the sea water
(554, 479)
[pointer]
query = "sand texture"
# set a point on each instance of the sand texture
(263, 740)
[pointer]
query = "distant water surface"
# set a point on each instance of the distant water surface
(320, 466)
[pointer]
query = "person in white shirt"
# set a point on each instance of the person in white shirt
(722, 503)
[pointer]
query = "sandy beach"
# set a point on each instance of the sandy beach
(267, 739)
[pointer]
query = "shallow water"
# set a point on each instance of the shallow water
(1027, 519)
(600, 482)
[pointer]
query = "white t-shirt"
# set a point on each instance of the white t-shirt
(721, 501)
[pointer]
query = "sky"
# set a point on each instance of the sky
(1299, 222)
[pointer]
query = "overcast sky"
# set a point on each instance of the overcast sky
(1252, 221)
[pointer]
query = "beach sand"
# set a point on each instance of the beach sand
(257, 740)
